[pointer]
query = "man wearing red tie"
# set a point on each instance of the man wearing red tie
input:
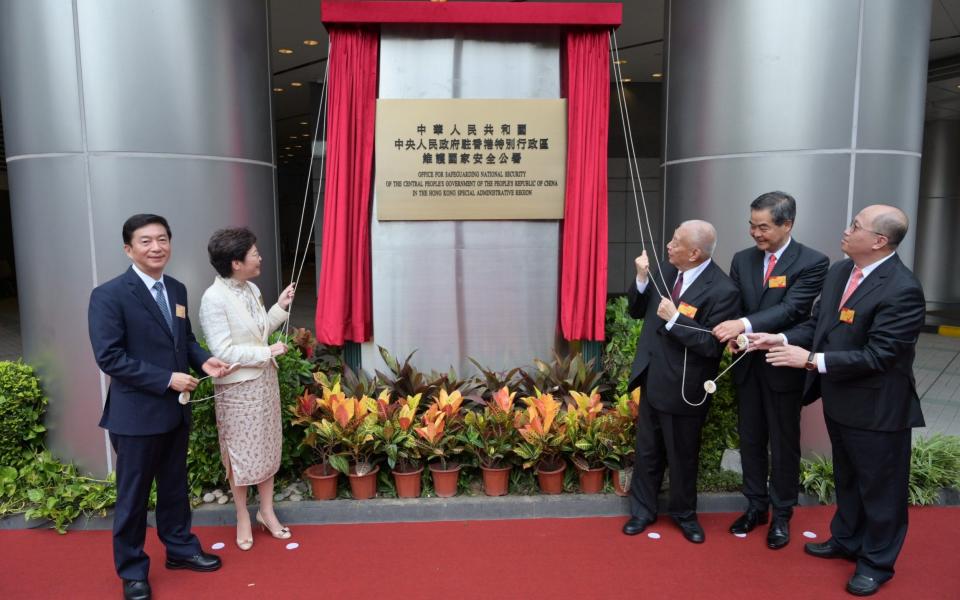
(862, 341)
(779, 278)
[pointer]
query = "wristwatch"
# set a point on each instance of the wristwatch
(811, 364)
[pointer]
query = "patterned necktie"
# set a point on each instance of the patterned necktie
(855, 278)
(162, 303)
(770, 265)
(675, 294)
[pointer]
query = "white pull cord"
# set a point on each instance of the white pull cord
(709, 386)
(296, 272)
(185, 396)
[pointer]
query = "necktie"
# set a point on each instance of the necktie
(770, 265)
(162, 303)
(855, 278)
(675, 294)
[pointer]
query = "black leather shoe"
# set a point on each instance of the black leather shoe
(136, 589)
(692, 530)
(827, 549)
(748, 520)
(636, 525)
(779, 534)
(197, 562)
(862, 585)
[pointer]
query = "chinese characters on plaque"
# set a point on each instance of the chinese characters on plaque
(470, 159)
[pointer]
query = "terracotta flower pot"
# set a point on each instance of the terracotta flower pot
(323, 481)
(408, 484)
(551, 482)
(445, 480)
(617, 488)
(591, 480)
(363, 487)
(496, 480)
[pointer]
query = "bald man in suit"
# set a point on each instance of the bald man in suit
(858, 348)
(676, 354)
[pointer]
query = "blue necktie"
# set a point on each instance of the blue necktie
(162, 303)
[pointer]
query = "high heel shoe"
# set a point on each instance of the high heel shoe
(245, 544)
(281, 534)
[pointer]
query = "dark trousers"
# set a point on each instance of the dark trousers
(769, 419)
(871, 470)
(140, 460)
(665, 439)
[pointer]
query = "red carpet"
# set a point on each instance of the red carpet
(523, 559)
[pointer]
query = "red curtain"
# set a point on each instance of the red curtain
(344, 305)
(583, 258)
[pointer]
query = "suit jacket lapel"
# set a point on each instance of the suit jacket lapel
(172, 301)
(240, 309)
(788, 257)
(829, 314)
(756, 273)
(138, 289)
(872, 282)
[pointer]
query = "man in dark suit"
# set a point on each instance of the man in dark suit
(862, 340)
(676, 354)
(142, 339)
(779, 278)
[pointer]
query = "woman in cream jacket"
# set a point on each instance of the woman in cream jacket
(236, 325)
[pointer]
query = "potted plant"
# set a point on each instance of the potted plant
(543, 440)
(355, 428)
(623, 432)
(490, 436)
(589, 440)
(321, 476)
(399, 443)
(441, 441)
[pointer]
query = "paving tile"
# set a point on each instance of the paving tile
(954, 367)
(925, 378)
(945, 388)
(934, 358)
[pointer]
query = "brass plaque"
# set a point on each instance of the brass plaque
(443, 160)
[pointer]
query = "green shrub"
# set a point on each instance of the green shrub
(719, 481)
(816, 478)
(622, 332)
(44, 488)
(22, 406)
(934, 465)
(31, 480)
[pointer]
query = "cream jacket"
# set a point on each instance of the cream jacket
(233, 335)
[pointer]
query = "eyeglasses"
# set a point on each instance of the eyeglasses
(855, 227)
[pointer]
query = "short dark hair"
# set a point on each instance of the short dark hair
(893, 225)
(781, 205)
(228, 245)
(142, 220)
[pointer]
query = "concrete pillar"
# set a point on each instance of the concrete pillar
(938, 215)
(823, 99)
(112, 108)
